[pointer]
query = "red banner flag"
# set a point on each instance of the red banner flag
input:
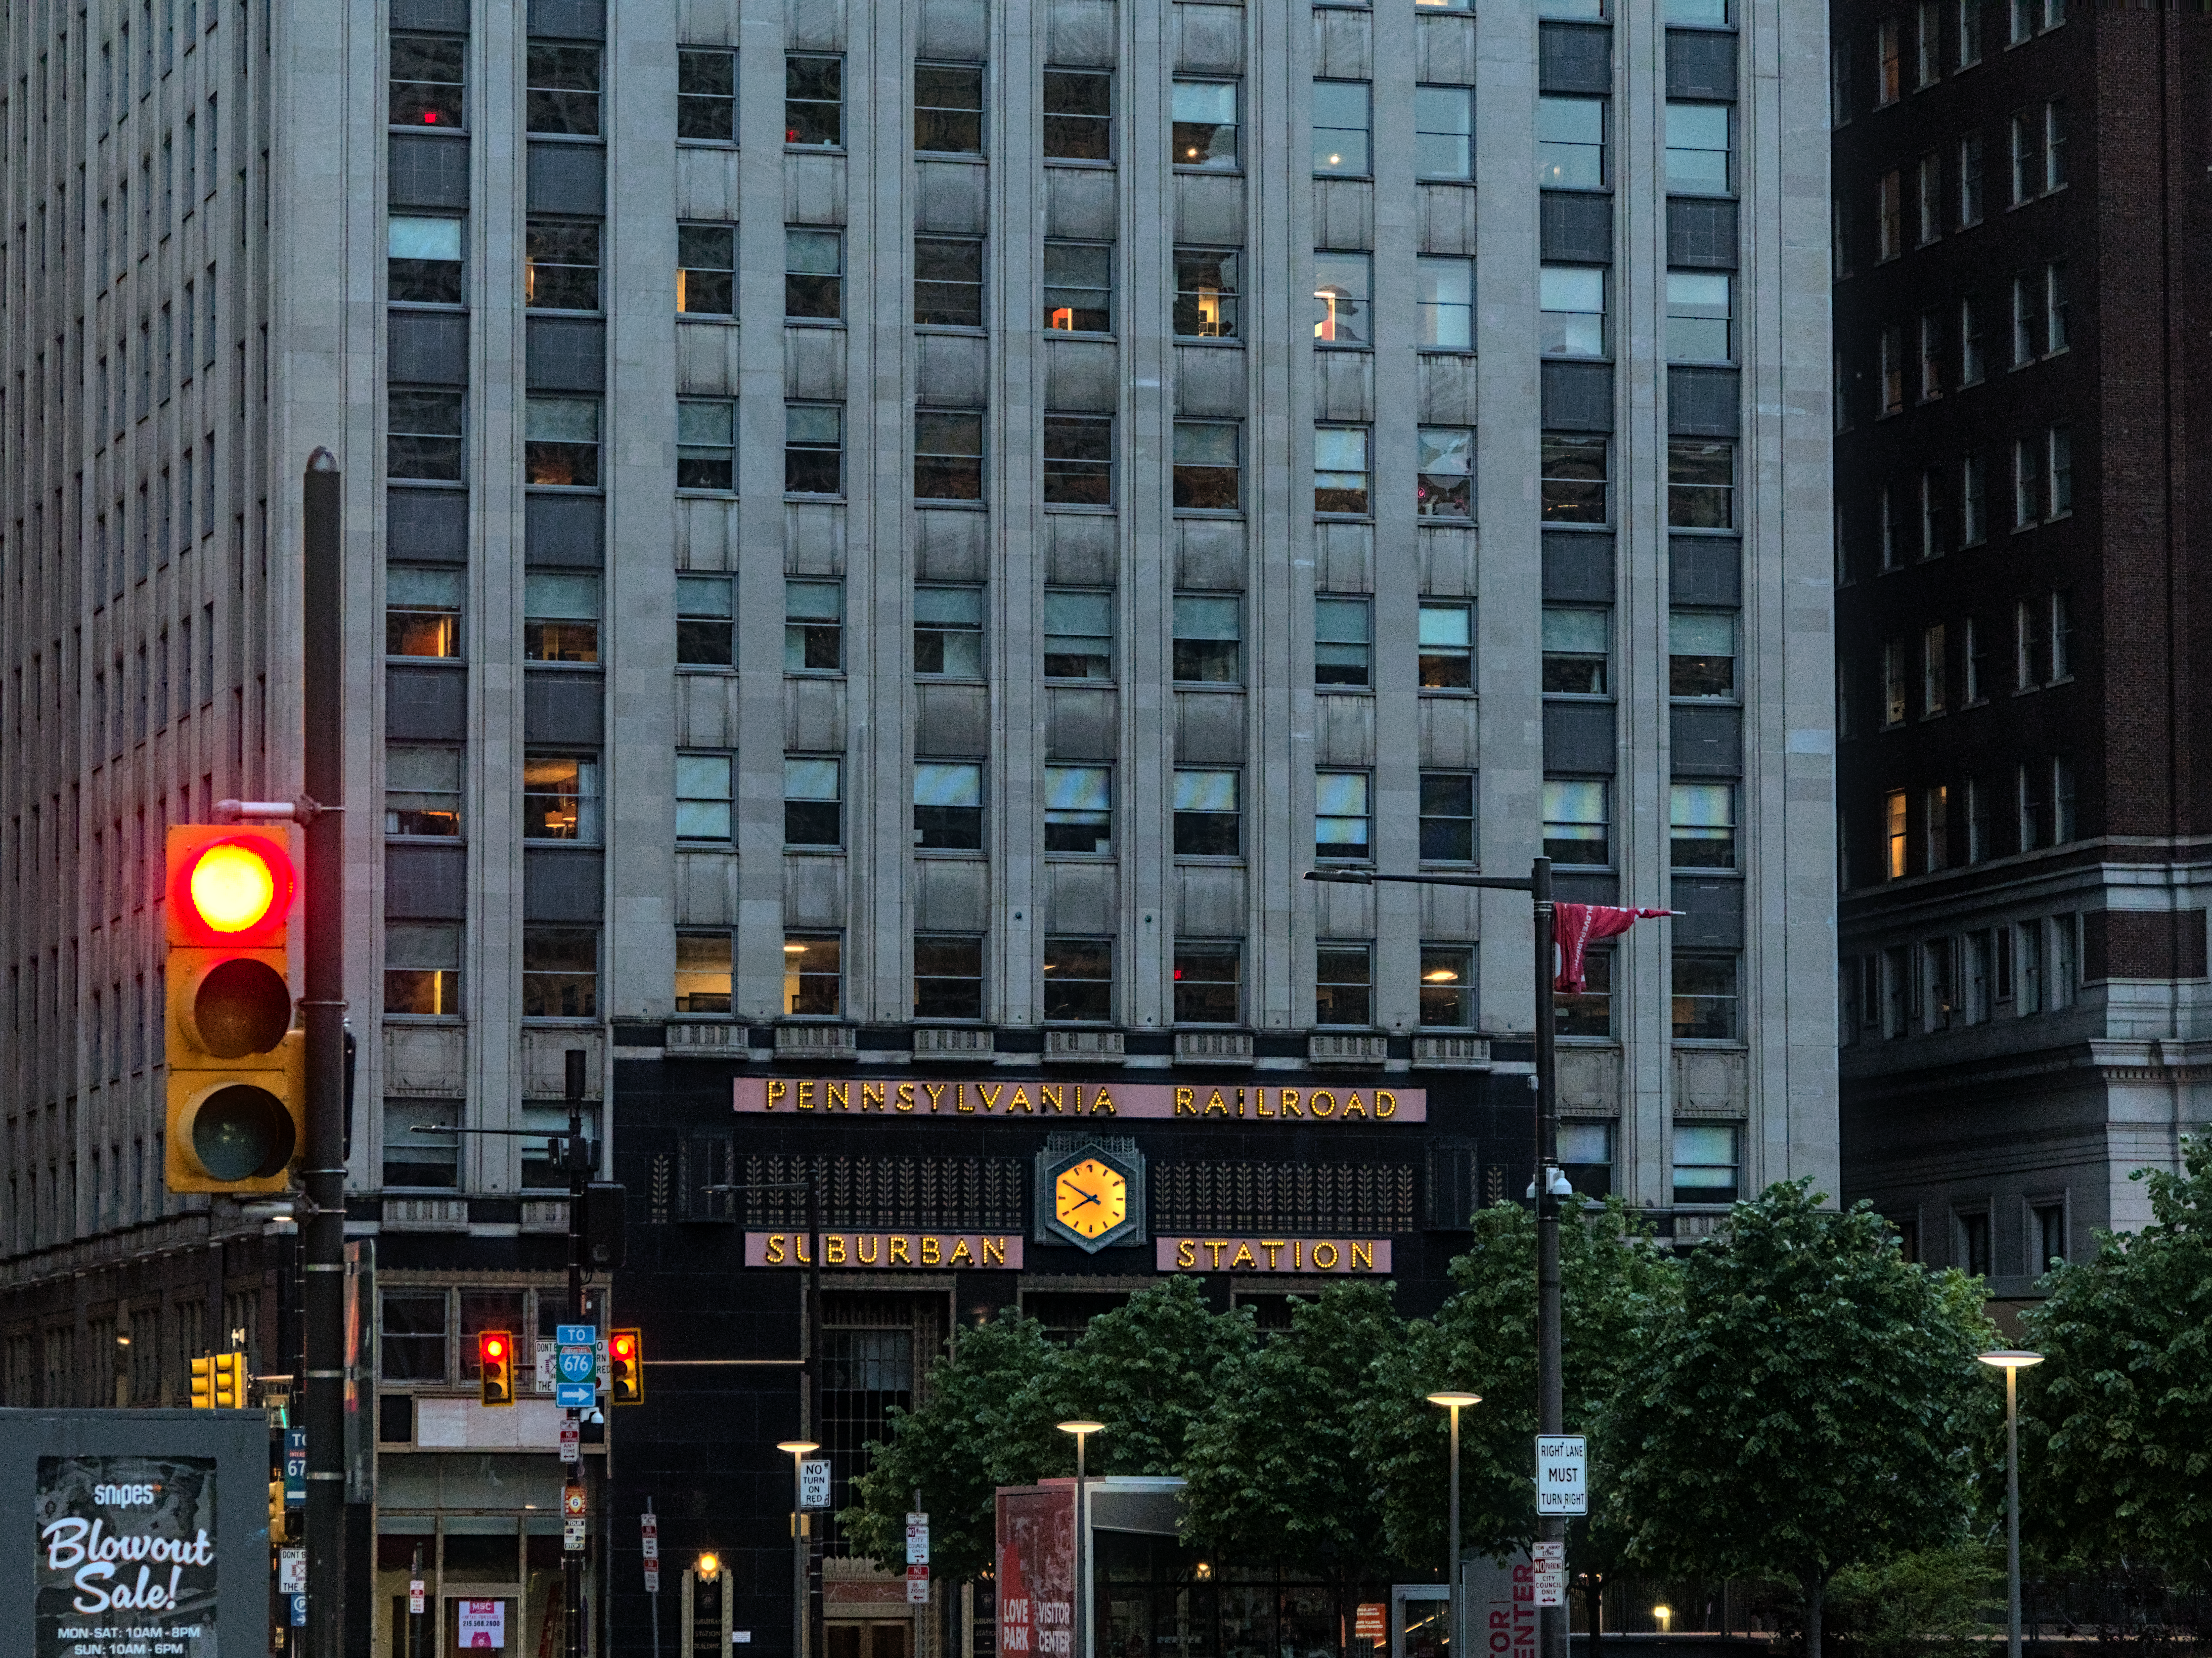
(1574, 926)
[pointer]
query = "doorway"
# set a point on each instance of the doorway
(877, 1638)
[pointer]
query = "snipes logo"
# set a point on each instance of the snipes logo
(126, 1496)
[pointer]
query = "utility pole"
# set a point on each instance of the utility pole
(572, 1560)
(323, 1226)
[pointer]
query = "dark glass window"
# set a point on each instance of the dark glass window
(706, 443)
(429, 73)
(1447, 818)
(564, 93)
(423, 438)
(706, 269)
(1078, 633)
(1208, 981)
(425, 263)
(1574, 478)
(1079, 287)
(1446, 658)
(412, 1341)
(1343, 642)
(1206, 292)
(1079, 981)
(1209, 630)
(814, 102)
(707, 94)
(560, 973)
(1206, 466)
(1447, 996)
(948, 807)
(948, 108)
(561, 441)
(560, 265)
(813, 801)
(813, 627)
(948, 281)
(1079, 115)
(813, 449)
(948, 978)
(1079, 460)
(814, 274)
(948, 455)
(1587, 1012)
(1078, 808)
(704, 622)
(1208, 821)
(1344, 984)
(813, 976)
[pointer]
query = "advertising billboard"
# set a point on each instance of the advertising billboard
(1036, 1570)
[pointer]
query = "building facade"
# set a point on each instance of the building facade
(2020, 620)
(881, 546)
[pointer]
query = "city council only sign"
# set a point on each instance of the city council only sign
(130, 1531)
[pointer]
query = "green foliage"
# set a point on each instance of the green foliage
(1613, 1282)
(2116, 1426)
(1932, 1603)
(1810, 1406)
(1149, 1371)
(1276, 1470)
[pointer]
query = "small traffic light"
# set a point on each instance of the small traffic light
(204, 1383)
(230, 1382)
(625, 1367)
(236, 1068)
(495, 1367)
(277, 1511)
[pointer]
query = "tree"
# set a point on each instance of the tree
(1612, 1281)
(1149, 1369)
(1276, 1470)
(1812, 1404)
(2116, 1425)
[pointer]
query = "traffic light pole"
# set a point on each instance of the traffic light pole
(572, 1560)
(322, 1227)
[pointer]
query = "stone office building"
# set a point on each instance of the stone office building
(881, 544)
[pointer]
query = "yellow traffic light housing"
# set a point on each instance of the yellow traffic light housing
(277, 1511)
(495, 1367)
(230, 1382)
(236, 1085)
(625, 1367)
(204, 1383)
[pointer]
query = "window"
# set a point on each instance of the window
(1973, 502)
(1203, 129)
(422, 789)
(422, 968)
(1700, 484)
(1447, 819)
(424, 442)
(2062, 636)
(2038, 152)
(1446, 299)
(1701, 652)
(706, 444)
(948, 632)
(813, 627)
(1588, 1011)
(1447, 648)
(1935, 828)
(2055, 311)
(1342, 817)
(2027, 323)
(813, 274)
(1586, 1156)
(1343, 641)
(948, 978)
(1443, 132)
(2046, 1225)
(1447, 988)
(1078, 808)
(948, 807)
(1079, 115)
(561, 441)
(1341, 296)
(413, 1337)
(704, 619)
(1342, 125)
(1972, 1252)
(422, 267)
(2027, 484)
(1888, 57)
(948, 281)
(1897, 846)
(1893, 682)
(1344, 984)
(948, 108)
(1977, 660)
(1577, 644)
(560, 973)
(422, 611)
(1340, 469)
(813, 801)
(1932, 356)
(813, 974)
(1705, 995)
(409, 1159)
(1698, 145)
(1928, 199)
(1934, 680)
(1078, 633)
(1700, 316)
(1705, 1162)
(702, 972)
(814, 102)
(2058, 470)
(948, 455)
(429, 76)
(1208, 981)
(1206, 292)
(1207, 819)
(1980, 846)
(702, 797)
(1444, 487)
(1079, 287)
(1079, 981)
(1701, 820)
(561, 798)
(706, 269)
(560, 617)
(564, 91)
(1574, 478)
(1890, 347)
(1572, 324)
(1577, 826)
(560, 265)
(1207, 631)
(1206, 466)
(707, 95)
(813, 449)
(1570, 144)
(1970, 32)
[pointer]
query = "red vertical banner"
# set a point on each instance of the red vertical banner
(1036, 1570)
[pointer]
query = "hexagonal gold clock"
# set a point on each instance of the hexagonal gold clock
(1091, 1194)
(1090, 1199)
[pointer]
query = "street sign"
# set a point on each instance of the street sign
(574, 1335)
(573, 1395)
(649, 1545)
(291, 1571)
(415, 1591)
(814, 1484)
(1562, 1475)
(572, 1442)
(577, 1365)
(917, 1539)
(572, 1503)
(651, 1577)
(546, 1354)
(299, 1611)
(1372, 1622)
(295, 1468)
(572, 1536)
(1550, 1560)
(917, 1586)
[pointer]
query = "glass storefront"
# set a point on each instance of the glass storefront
(1158, 1598)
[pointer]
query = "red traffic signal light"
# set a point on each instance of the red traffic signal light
(231, 887)
(625, 1367)
(495, 1367)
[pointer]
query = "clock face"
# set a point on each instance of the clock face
(1090, 1199)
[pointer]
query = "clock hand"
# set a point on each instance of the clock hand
(1090, 1197)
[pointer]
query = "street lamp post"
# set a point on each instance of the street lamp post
(2012, 1361)
(1454, 1403)
(799, 1448)
(1082, 1429)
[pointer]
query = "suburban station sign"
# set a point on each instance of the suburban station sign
(1355, 1257)
(933, 1251)
(1032, 1099)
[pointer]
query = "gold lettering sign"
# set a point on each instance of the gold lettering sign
(883, 1250)
(1340, 1256)
(1029, 1099)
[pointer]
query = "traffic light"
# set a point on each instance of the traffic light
(204, 1383)
(277, 1511)
(625, 1367)
(230, 1382)
(236, 1068)
(495, 1367)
